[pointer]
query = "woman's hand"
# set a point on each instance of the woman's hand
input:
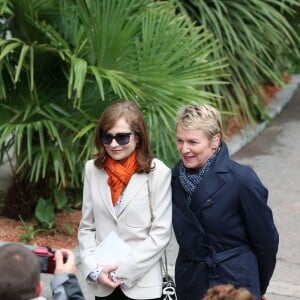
(105, 277)
(263, 297)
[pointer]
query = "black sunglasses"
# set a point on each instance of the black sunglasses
(121, 138)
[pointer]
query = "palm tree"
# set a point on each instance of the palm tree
(66, 60)
(255, 36)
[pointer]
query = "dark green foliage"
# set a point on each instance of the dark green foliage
(255, 37)
(67, 60)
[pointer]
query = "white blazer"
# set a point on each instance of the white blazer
(141, 272)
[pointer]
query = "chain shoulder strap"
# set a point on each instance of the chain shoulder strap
(163, 262)
(150, 201)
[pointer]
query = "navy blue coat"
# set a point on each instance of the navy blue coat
(227, 234)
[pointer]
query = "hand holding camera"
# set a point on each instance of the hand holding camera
(65, 262)
(55, 262)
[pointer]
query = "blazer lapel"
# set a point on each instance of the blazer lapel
(137, 183)
(105, 194)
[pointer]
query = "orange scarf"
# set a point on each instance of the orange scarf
(119, 174)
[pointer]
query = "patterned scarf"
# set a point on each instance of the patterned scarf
(119, 174)
(190, 179)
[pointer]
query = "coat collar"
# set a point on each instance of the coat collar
(210, 184)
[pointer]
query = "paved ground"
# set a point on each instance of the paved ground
(272, 149)
(274, 154)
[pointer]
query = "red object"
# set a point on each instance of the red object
(46, 258)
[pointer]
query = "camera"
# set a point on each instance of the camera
(46, 258)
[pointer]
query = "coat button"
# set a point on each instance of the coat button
(209, 201)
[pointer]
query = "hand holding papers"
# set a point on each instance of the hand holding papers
(111, 250)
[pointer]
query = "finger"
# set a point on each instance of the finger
(110, 268)
(66, 252)
(68, 255)
(58, 257)
(111, 283)
(104, 278)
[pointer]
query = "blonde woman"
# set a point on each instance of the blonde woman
(223, 225)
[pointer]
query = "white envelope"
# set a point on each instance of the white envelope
(111, 250)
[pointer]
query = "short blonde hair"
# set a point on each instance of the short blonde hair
(201, 116)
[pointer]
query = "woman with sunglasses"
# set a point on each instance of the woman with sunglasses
(128, 193)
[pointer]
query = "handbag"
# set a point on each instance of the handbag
(168, 287)
(168, 283)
